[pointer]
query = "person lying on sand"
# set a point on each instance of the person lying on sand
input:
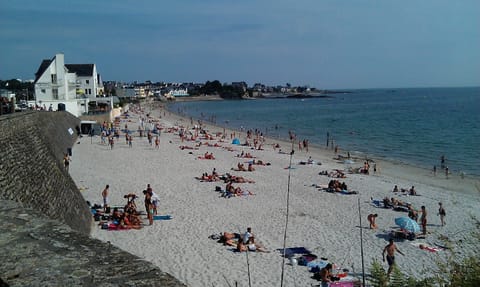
(182, 147)
(259, 162)
(241, 167)
(250, 246)
(237, 179)
(230, 238)
(337, 174)
(235, 191)
(208, 155)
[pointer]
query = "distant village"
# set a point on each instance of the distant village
(79, 89)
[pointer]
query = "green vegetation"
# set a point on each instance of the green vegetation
(21, 89)
(225, 91)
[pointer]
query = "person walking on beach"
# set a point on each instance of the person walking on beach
(423, 220)
(111, 141)
(442, 213)
(157, 142)
(371, 219)
(105, 196)
(130, 140)
(434, 170)
(446, 172)
(390, 250)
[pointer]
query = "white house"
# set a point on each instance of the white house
(68, 86)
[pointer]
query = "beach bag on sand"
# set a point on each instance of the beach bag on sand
(218, 188)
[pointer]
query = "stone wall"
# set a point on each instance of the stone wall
(37, 251)
(32, 145)
(44, 220)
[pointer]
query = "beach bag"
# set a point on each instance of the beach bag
(218, 188)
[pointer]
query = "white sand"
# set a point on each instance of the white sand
(326, 224)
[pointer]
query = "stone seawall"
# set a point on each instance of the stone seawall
(44, 220)
(31, 168)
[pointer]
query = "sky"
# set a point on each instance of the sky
(318, 43)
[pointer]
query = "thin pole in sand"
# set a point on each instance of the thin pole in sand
(361, 241)
(286, 217)
(248, 269)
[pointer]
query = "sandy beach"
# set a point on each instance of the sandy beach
(326, 224)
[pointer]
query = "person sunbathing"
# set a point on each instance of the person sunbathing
(209, 155)
(116, 215)
(230, 238)
(241, 167)
(258, 162)
(387, 203)
(240, 179)
(182, 147)
(252, 246)
(250, 167)
(241, 246)
(128, 221)
(413, 191)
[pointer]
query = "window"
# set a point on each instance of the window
(55, 94)
(54, 78)
(89, 91)
(43, 91)
(87, 82)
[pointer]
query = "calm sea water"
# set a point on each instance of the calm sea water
(414, 126)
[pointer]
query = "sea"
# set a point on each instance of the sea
(415, 126)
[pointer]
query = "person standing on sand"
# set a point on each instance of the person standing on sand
(105, 197)
(66, 161)
(390, 250)
(371, 219)
(446, 172)
(442, 213)
(434, 170)
(423, 220)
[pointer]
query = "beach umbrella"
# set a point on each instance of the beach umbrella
(408, 224)
(236, 141)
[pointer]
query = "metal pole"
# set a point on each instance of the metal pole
(361, 241)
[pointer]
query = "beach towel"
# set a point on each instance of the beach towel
(294, 250)
(377, 202)
(162, 217)
(115, 227)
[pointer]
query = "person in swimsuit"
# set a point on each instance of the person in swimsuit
(442, 213)
(390, 250)
(423, 220)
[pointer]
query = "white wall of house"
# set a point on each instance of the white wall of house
(56, 85)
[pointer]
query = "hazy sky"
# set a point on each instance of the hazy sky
(324, 44)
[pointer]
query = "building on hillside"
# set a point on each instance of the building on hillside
(76, 88)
